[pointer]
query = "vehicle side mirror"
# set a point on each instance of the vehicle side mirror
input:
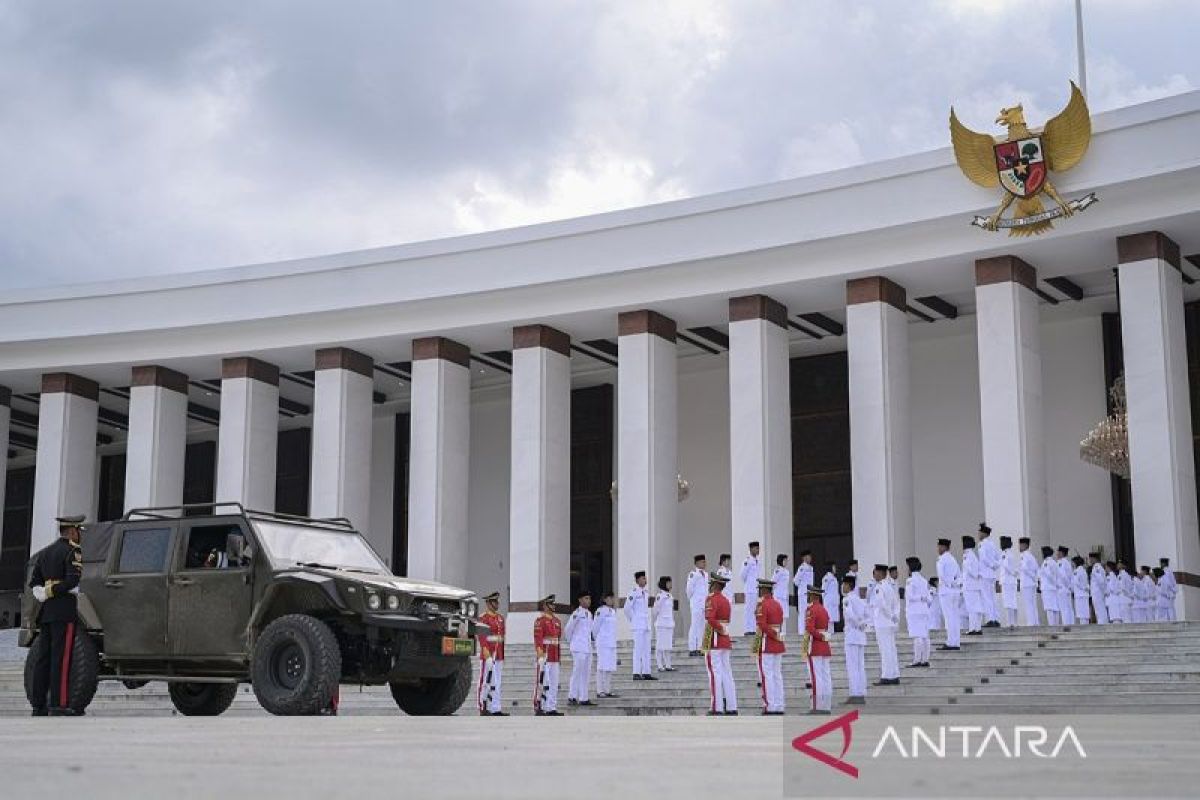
(236, 552)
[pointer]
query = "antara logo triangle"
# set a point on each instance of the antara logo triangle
(802, 743)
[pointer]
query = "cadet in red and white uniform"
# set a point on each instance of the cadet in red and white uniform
(816, 629)
(770, 618)
(716, 646)
(491, 655)
(547, 638)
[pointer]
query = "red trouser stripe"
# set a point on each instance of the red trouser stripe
(812, 674)
(65, 677)
(712, 681)
(762, 679)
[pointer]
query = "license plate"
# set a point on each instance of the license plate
(452, 646)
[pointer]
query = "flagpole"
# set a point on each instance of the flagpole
(1079, 47)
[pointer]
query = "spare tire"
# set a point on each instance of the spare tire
(85, 669)
(202, 699)
(296, 666)
(434, 697)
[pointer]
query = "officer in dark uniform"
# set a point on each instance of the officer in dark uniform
(54, 581)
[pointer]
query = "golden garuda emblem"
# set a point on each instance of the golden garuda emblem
(1022, 163)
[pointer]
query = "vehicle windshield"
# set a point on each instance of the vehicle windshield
(289, 545)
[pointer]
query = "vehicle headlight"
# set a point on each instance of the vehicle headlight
(373, 602)
(393, 602)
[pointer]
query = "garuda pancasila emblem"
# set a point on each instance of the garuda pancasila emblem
(1022, 163)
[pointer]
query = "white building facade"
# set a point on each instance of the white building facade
(837, 363)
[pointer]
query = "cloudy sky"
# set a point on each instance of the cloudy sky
(143, 136)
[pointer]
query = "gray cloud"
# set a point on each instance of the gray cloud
(142, 137)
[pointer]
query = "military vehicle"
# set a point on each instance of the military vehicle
(205, 597)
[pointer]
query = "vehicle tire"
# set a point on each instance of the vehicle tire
(202, 699)
(85, 669)
(296, 666)
(435, 697)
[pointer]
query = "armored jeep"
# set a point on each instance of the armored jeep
(206, 597)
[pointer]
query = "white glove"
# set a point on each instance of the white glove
(39, 593)
(75, 590)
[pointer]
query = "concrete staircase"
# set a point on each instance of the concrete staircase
(1080, 669)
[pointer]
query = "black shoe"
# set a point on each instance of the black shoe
(586, 703)
(914, 664)
(649, 678)
(485, 713)
(612, 694)
(731, 713)
(40, 712)
(552, 713)
(715, 713)
(993, 624)
(808, 686)
(947, 647)
(974, 633)
(572, 701)
(816, 713)
(499, 714)
(923, 664)
(637, 677)
(64, 711)
(670, 669)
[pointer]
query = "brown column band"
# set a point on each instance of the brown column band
(526, 336)
(432, 347)
(1150, 244)
(1188, 579)
(69, 383)
(631, 323)
(1005, 269)
(5, 396)
(153, 375)
(758, 306)
(246, 367)
(521, 608)
(347, 359)
(875, 289)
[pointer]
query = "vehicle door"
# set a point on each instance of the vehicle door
(132, 599)
(211, 590)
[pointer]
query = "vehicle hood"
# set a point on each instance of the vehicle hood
(418, 588)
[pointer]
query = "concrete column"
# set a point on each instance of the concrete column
(248, 436)
(1010, 398)
(340, 478)
(5, 419)
(760, 428)
(154, 454)
(65, 478)
(1160, 427)
(540, 505)
(439, 449)
(647, 489)
(880, 436)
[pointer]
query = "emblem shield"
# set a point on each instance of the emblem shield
(1021, 165)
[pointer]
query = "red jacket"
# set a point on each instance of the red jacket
(769, 616)
(816, 623)
(716, 614)
(492, 645)
(547, 635)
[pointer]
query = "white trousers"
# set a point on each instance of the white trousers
(696, 629)
(641, 652)
(720, 681)
(822, 691)
(1101, 611)
(664, 644)
(749, 623)
(920, 645)
(989, 601)
(885, 638)
(1010, 617)
(770, 675)
(603, 681)
(856, 669)
(1083, 611)
(950, 615)
(545, 691)
(1066, 608)
(1029, 602)
(487, 694)
(581, 672)
(1170, 609)
(801, 613)
(975, 609)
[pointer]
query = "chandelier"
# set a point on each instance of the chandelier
(1107, 445)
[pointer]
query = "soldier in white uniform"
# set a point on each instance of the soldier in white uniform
(972, 587)
(1029, 581)
(935, 605)
(1066, 604)
(725, 570)
(885, 618)
(697, 590)
(803, 580)
(781, 580)
(949, 593)
(917, 603)
(579, 637)
(1048, 579)
(1125, 589)
(604, 632)
(990, 562)
(1144, 594)
(664, 625)
(1172, 588)
(1097, 585)
(1163, 601)
(856, 617)
(1010, 571)
(831, 595)
(1080, 591)
(637, 611)
(1112, 593)
(751, 572)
